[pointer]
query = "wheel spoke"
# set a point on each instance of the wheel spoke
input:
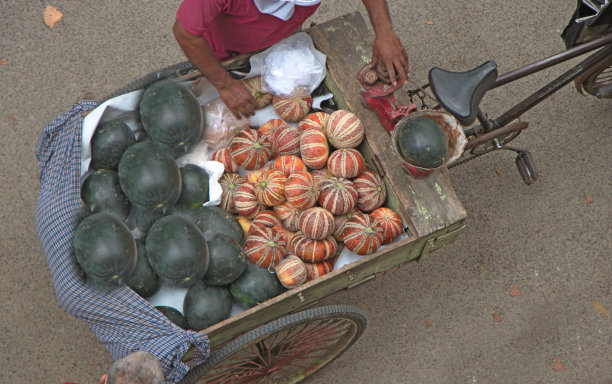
(289, 352)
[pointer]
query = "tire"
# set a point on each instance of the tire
(600, 77)
(285, 350)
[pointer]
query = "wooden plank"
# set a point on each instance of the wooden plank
(429, 207)
(362, 270)
(431, 203)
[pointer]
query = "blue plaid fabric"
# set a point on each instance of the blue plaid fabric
(120, 318)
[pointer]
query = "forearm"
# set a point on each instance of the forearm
(232, 92)
(199, 53)
(379, 16)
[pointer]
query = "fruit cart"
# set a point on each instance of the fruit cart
(286, 338)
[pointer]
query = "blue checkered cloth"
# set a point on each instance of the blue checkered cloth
(120, 318)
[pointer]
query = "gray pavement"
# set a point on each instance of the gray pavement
(427, 323)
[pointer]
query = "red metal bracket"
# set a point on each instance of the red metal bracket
(387, 109)
(378, 96)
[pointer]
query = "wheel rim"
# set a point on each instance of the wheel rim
(288, 355)
(597, 80)
(494, 144)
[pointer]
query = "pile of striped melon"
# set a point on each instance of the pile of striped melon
(303, 191)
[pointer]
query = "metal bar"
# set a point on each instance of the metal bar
(552, 60)
(552, 87)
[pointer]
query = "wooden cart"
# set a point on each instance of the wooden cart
(285, 338)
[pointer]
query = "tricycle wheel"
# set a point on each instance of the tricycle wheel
(598, 78)
(285, 350)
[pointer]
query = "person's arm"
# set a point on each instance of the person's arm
(387, 46)
(232, 92)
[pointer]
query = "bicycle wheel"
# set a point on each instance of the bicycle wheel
(492, 145)
(285, 350)
(600, 77)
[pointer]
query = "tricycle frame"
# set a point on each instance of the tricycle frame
(429, 208)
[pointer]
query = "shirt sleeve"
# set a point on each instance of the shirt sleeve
(196, 15)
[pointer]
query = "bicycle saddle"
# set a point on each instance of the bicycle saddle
(460, 93)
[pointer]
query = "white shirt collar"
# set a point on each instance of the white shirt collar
(283, 9)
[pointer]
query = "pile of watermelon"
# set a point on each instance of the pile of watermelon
(293, 194)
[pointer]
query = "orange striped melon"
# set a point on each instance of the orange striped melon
(270, 126)
(314, 120)
(315, 270)
(346, 163)
(317, 223)
(285, 141)
(291, 272)
(314, 148)
(390, 221)
(337, 195)
(265, 247)
(270, 189)
(301, 190)
(371, 191)
(246, 201)
(362, 234)
(289, 164)
(250, 150)
(311, 250)
(289, 215)
(254, 86)
(339, 222)
(344, 129)
(229, 184)
(292, 108)
(265, 218)
(224, 156)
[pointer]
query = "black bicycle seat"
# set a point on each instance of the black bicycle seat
(460, 93)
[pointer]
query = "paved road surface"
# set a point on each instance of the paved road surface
(547, 237)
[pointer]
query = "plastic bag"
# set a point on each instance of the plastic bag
(221, 125)
(290, 66)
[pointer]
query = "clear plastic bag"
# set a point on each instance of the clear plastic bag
(290, 66)
(221, 125)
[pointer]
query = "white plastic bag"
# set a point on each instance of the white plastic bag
(290, 66)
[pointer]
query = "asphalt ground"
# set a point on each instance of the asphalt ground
(448, 320)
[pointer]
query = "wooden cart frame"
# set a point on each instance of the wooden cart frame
(429, 207)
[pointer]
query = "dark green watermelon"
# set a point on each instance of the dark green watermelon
(174, 315)
(255, 286)
(172, 116)
(101, 192)
(182, 211)
(149, 177)
(194, 190)
(227, 260)
(144, 281)
(217, 220)
(177, 250)
(105, 248)
(422, 142)
(205, 305)
(108, 143)
(142, 218)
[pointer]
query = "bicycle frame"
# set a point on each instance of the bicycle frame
(493, 134)
(552, 87)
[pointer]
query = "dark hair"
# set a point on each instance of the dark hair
(136, 368)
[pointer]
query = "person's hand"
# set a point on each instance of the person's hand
(237, 98)
(388, 48)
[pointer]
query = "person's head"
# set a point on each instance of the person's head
(136, 368)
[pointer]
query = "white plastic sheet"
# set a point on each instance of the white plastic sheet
(290, 66)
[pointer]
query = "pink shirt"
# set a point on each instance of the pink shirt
(237, 26)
